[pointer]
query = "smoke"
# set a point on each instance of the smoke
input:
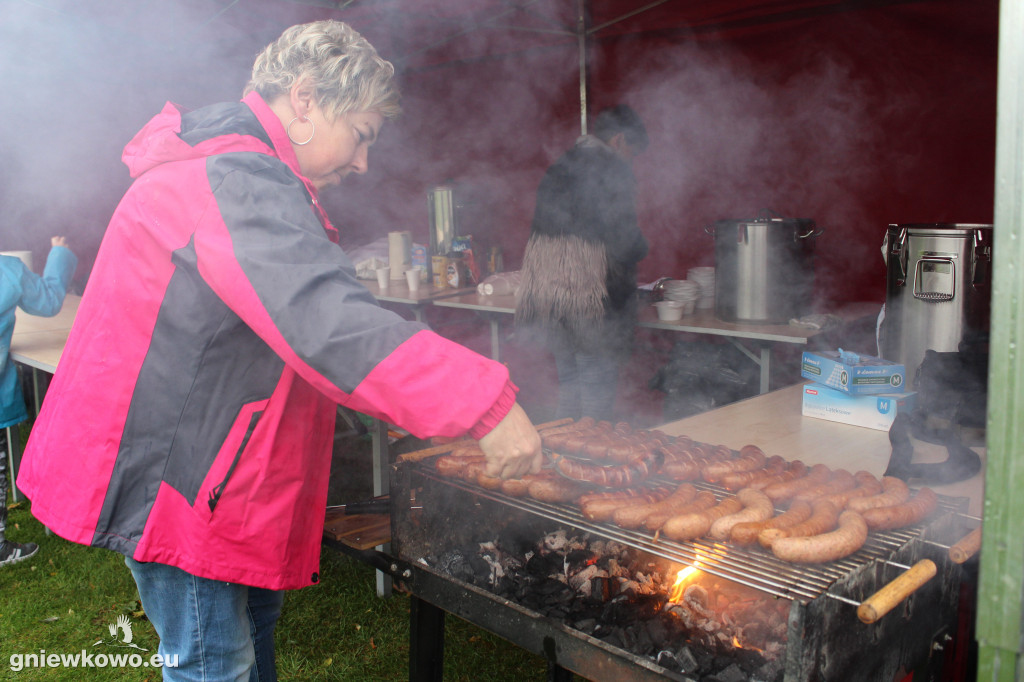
(81, 78)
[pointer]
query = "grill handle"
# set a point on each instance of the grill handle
(967, 547)
(883, 601)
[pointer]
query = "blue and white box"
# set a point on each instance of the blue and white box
(853, 373)
(872, 411)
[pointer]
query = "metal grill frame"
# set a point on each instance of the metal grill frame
(825, 640)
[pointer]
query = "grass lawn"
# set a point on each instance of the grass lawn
(64, 599)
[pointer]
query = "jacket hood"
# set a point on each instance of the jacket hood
(176, 134)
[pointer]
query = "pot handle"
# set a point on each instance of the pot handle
(883, 601)
(814, 231)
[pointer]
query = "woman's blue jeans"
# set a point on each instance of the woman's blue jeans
(587, 384)
(217, 630)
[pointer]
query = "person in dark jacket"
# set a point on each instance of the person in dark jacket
(190, 422)
(36, 295)
(579, 266)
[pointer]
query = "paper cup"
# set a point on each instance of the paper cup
(412, 276)
(383, 277)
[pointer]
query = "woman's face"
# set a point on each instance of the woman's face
(339, 147)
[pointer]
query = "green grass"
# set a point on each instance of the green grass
(63, 599)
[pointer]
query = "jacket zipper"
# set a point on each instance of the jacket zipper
(215, 493)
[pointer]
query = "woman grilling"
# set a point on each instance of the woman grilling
(189, 425)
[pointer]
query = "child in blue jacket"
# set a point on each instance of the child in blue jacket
(36, 295)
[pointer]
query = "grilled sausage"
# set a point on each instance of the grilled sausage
(756, 507)
(634, 515)
(705, 499)
(746, 533)
(823, 518)
(737, 480)
(866, 486)
(692, 525)
(617, 476)
(793, 470)
(894, 491)
(819, 473)
(845, 540)
(602, 509)
(555, 489)
(750, 458)
(520, 487)
(465, 468)
(916, 509)
(839, 481)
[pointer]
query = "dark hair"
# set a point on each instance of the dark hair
(621, 119)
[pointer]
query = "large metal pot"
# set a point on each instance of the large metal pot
(764, 268)
(938, 289)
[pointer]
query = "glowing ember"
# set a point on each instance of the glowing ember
(676, 595)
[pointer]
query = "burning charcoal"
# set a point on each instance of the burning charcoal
(603, 588)
(769, 672)
(734, 673)
(515, 540)
(586, 625)
(579, 558)
(658, 632)
(555, 542)
(641, 640)
(543, 565)
(581, 581)
(626, 609)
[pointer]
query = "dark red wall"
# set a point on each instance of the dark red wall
(853, 118)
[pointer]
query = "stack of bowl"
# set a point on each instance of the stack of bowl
(705, 280)
(683, 291)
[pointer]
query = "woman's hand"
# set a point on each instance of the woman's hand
(513, 447)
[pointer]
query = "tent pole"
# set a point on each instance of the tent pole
(1001, 580)
(581, 37)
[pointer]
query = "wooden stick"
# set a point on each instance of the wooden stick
(883, 601)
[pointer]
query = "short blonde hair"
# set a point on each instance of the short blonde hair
(345, 70)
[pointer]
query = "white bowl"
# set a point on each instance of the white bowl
(670, 310)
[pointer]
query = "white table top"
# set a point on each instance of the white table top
(398, 292)
(39, 341)
(773, 422)
(498, 303)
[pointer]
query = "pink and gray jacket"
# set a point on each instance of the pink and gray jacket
(191, 418)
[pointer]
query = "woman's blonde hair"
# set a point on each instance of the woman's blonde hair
(345, 70)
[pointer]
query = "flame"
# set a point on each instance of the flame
(736, 642)
(676, 595)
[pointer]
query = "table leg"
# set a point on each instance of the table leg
(13, 455)
(495, 340)
(380, 487)
(766, 368)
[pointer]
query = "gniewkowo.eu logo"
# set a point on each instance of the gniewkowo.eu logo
(119, 651)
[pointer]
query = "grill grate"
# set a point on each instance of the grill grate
(753, 566)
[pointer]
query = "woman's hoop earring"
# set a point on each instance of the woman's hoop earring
(288, 130)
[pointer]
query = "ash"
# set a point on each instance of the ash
(715, 631)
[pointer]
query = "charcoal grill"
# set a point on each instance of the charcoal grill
(825, 640)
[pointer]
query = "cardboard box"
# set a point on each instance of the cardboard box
(852, 373)
(872, 411)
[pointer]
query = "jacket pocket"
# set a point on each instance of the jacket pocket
(225, 466)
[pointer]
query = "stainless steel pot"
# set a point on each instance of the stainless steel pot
(764, 268)
(938, 289)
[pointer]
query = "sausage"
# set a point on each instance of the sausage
(914, 510)
(792, 471)
(634, 515)
(756, 507)
(617, 476)
(602, 509)
(866, 486)
(705, 499)
(520, 487)
(840, 480)
(823, 518)
(680, 469)
(746, 533)
(737, 480)
(555, 489)
(455, 466)
(750, 458)
(845, 540)
(894, 491)
(690, 525)
(784, 490)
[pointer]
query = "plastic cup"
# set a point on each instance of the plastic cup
(383, 277)
(412, 276)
